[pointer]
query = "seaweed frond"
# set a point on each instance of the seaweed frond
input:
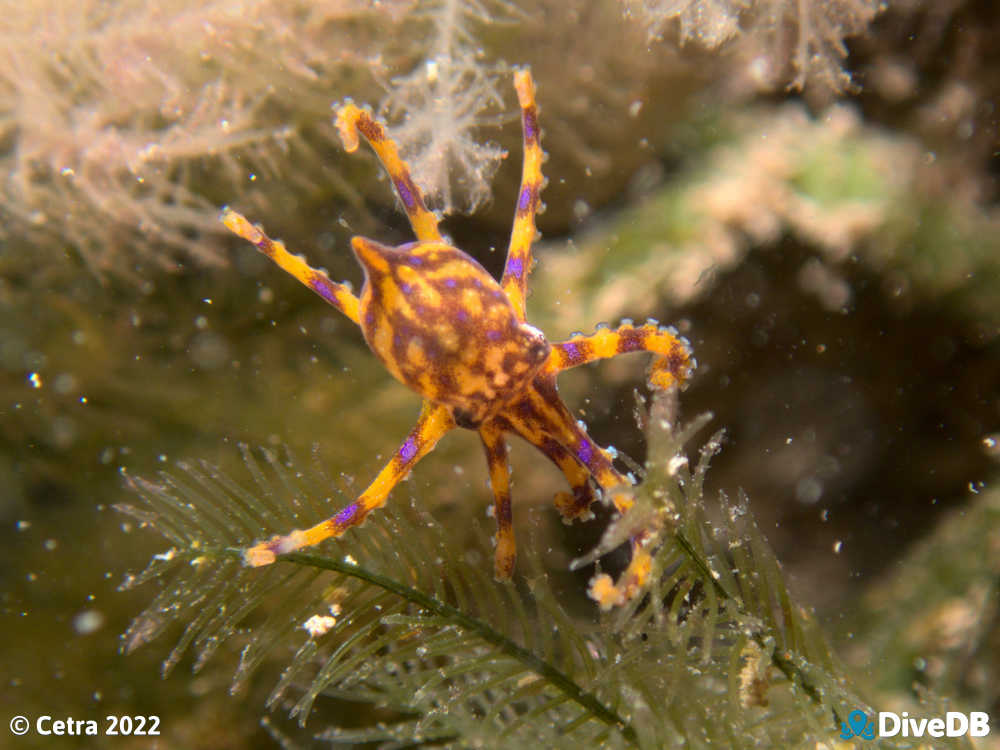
(393, 615)
(805, 37)
(400, 616)
(716, 647)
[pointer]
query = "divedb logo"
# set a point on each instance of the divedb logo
(890, 724)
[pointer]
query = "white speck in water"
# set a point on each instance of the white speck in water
(87, 622)
(35, 379)
(808, 490)
(64, 383)
(991, 444)
(837, 547)
(209, 350)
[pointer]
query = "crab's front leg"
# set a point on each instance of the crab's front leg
(496, 458)
(433, 423)
(617, 488)
(671, 366)
(515, 273)
(338, 295)
(350, 121)
(542, 419)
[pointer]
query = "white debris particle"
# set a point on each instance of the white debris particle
(318, 625)
(675, 463)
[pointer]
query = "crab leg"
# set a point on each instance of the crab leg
(350, 121)
(433, 423)
(541, 419)
(338, 295)
(496, 458)
(576, 504)
(672, 366)
(518, 266)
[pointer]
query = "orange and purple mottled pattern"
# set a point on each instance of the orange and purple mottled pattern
(446, 329)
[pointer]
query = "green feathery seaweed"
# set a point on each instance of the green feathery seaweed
(399, 616)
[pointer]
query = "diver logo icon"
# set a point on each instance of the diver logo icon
(857, 725)
(952, 724)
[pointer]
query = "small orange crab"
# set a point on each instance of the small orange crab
(444, 327)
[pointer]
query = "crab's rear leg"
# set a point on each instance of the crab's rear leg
(515, 273)
(496, 458)
(352, 120)
(338, 295)
(672, 365)
(574, 505)
(434, 422)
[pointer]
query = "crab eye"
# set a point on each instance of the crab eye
(536, 345)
